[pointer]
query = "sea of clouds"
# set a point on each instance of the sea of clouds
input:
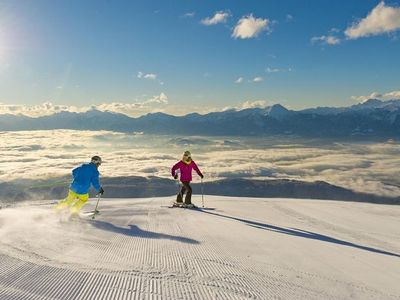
(365, 167)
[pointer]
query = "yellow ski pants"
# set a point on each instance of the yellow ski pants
(76, 201)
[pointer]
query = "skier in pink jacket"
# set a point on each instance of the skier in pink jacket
(186, 165)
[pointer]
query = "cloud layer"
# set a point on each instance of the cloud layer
(46, 108)
(49, 154)
(394, 95)
(136, 108)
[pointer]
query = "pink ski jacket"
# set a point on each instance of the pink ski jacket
(186, 170)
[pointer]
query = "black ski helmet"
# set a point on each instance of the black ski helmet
(96, 160)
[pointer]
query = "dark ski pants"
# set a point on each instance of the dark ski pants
(186, 188)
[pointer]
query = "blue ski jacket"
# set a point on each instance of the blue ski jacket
(83, 176)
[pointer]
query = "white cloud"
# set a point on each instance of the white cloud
(162, 98)
(277, 70)
(189, 14)
(249, 104)
(258, 79)
(272, 70)
(394, 95)
(332, 40)
(253, 104)
(382, 19)
(147, 76)
(361, 99)
(239, 80)
(118, 107)
(219, 17)
(150, 76)
(250, 27)
(289, 18)
(326, 40)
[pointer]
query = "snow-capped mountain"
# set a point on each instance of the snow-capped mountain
(370, 118)
(366, 106)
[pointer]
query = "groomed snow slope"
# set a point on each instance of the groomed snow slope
(244, 248)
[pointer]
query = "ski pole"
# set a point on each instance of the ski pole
(97, 204)
(202, 192)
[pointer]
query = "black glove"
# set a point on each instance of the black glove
(201, 176)
(101, 191)
(176, 177)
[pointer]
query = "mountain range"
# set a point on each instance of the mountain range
(372, 118)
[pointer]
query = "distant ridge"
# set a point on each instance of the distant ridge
(141, 187)
(372, 118)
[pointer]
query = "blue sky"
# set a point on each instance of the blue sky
(184, 56)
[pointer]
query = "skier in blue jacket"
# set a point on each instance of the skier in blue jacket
(83, 177)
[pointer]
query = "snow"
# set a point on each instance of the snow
(243, 248)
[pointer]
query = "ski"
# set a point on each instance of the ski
(190, 208)
(89, 213)
(180, 205)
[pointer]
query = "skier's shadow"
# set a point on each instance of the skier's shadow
(303, 234)
(134, 230)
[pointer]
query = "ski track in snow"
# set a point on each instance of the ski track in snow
(244, 249)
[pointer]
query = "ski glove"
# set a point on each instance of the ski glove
(101, 191)
(201, 176)
(176, 176)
